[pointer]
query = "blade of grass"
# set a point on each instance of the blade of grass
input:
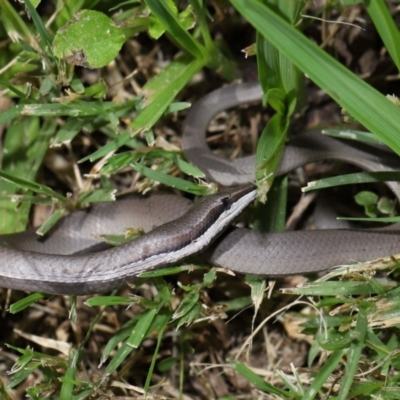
(39, 25)
(10, 114)
(354, 354)
(351, 134)
(29, 185)
(388, 31)
(122, 334)
(351, 179)
(271, 216)
(68, 385)
(339, 288)
(164, 87)
(79, 109)
(163, 322)
(269, 152)
(25, 302)
(328, 367)
(384, 220)
(172, 181)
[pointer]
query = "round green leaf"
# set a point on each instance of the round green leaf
(90, 40)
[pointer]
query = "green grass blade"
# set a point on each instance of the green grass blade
(388, 31)
(68, 385)
(384, 220)
(25, 302)
(351, 179)
(329, 366)
(354, 354)
(164, 87)
(39, 24)
(172, 181)
(352, 134)
(51, 221)
(30, 185)
(269, 152)
(163, 322)
(271, 217)
(10, 114)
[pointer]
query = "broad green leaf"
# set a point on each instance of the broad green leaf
(72, 42)
(369, 201)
